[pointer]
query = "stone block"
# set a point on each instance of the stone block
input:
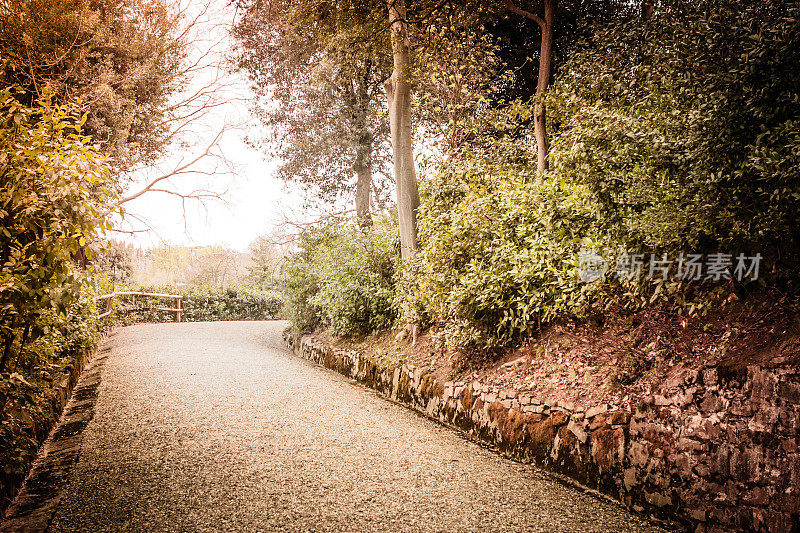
(660, 400)
(710, 377)
(657, 499)
(711, 403)
(675, 381)
(703, 428)
(763, 383)
(742, 408)
(578, 430)
(789, 392)
(608, 448)
(569, 406)
(689, 445)
(629, 479)
(597, 410)
(598, 422)
(756, 496)
(638, 454)
(697, 514)
(683, 398)
(682, 464)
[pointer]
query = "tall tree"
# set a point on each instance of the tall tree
(122, 58)
(398, 94)
(318, 87)
(565, 26)
(546, 24)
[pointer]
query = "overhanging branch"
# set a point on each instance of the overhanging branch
(527, 14)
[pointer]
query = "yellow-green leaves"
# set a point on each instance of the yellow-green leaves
(54, 196)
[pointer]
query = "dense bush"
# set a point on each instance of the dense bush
(54, 191)
(27, 389)
(685, 140)
(342, 277)
(686, 130)
(200, 304)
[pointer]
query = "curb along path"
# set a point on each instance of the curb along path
(34, 505)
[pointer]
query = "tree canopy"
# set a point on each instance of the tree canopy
(122, 59)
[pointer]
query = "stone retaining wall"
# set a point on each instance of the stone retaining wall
(716, 450)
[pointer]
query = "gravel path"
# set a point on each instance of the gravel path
(218, 427)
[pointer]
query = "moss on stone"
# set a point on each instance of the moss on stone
(467, 398)
(540, 439)
(404, 387)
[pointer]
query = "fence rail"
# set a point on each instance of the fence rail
(109, 298)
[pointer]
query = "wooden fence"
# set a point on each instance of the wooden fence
(109, 299)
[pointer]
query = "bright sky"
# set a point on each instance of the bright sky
(254, 201)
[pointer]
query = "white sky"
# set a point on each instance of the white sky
(255, 201)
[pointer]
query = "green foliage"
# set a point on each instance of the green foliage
(676, 135)
(123, 58)
(342, 277)
(200, 304)
(54, 188)
(267, 258)
(27, 390)
(54, 193)
(688, 134)
(498, 254)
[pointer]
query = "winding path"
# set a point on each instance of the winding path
(218, 427)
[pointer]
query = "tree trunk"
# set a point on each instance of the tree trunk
(8, 342)
(545, 64)
(398, 93)
(363, 170)
(648, 7)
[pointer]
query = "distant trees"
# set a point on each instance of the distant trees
(266, 260)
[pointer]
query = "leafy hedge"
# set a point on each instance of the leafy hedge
(55, 193)
(343, 277)
(200, 304)
(28, 389)
(688, 136)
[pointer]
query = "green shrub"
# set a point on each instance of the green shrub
(498, 255)
(199, 304)
(55, 192)
(686, 130)
(678, 135)
(342, 276)
(26, 390)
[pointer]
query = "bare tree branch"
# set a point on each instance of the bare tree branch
(182, 169)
